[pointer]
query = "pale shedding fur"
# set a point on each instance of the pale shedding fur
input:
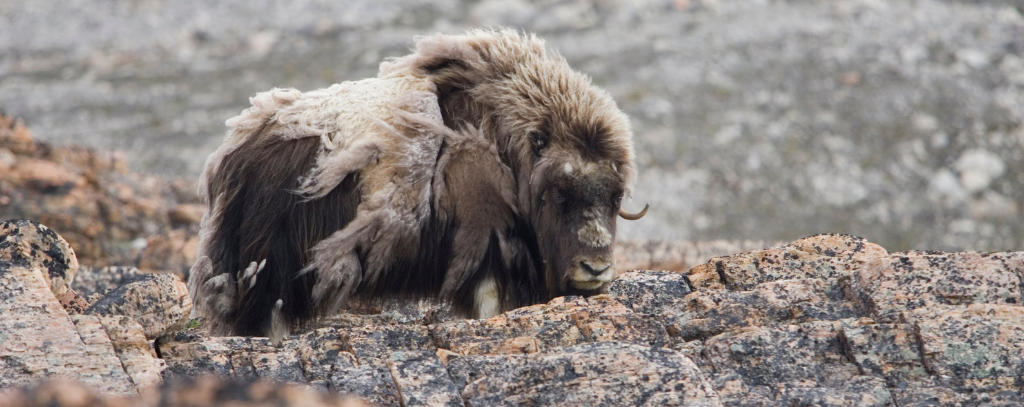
(594, 234)
(280, 326)
(487, 298)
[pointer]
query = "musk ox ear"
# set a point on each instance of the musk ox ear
(451, 61)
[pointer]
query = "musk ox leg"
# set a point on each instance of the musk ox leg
(362, 255)
(257, 217)
(214, 296)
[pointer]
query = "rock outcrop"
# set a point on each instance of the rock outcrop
(43, 335)
(827, 320)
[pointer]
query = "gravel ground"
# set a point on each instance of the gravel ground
(899, 121)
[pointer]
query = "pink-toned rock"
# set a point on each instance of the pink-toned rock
(564, 321)
(980, 346)
(607, 373)
(706, 313)
(892, 351)
(201, 392)
(39, 341)
(821, 256)
(44, 176)
(159, 302)
(30, 244)
(134, 350)
(890, 285)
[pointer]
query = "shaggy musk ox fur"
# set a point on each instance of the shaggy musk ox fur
(480, 170)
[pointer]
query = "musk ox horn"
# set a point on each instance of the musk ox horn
(634, 216)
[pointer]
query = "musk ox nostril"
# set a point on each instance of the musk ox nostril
(595, 268)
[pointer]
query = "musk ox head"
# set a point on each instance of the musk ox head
(565, 140)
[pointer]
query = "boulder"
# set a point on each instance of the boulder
(159, 302)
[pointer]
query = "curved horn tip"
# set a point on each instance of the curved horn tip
(631, 216)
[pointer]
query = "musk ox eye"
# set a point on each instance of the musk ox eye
(558, 195)
(617, 200)
(539, 140)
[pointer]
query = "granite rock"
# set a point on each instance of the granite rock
(706, 313)
(606, 373)
(820, 256)
(25, 242)
(423, 380)
(647, 292)
(90, 281)
(39, 340)
(159, 302)
(201, 392)
(829, 320)
(890, 285)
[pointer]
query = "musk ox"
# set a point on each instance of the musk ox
(480, 170)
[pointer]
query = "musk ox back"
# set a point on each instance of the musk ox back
(480, 170)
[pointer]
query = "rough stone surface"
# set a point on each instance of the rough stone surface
(829, 320)
(710, 312)
(321, 358)
(202, 392)
(949, 344)
(648, 291)
(137, 355)
(820, 256)
(422, 380)
(901, 282)
(159, 302)
(606, 373)
(91, 281)
(25, 242)
(38, 340)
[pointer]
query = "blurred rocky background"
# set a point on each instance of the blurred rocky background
(899, 121)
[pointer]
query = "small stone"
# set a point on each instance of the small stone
(159, 302)
(30, 244)
(978, 168)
